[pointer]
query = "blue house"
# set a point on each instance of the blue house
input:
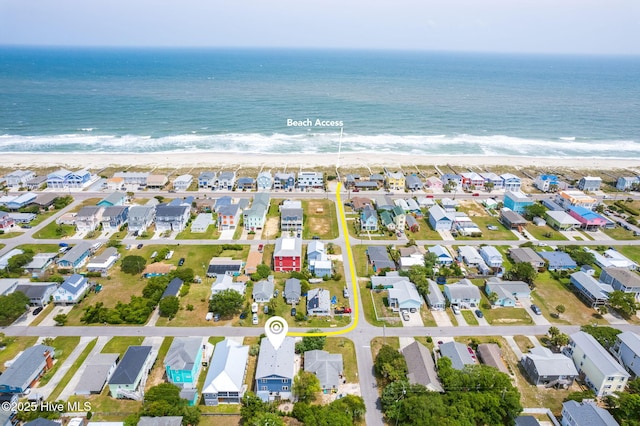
(286, 181)
(439, 219)
(76, 257)
(442, 255)
(368, 219)
(114, 199)
(71, 291)
(516, 201)
(558, 260)
(26, 369)
(508, 291)
(183, 361)
(114, 217)
(275, 370)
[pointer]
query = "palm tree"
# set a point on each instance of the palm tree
(493, 298)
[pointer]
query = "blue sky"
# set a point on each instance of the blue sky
(544, 26)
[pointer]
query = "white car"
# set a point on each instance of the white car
(255, 320)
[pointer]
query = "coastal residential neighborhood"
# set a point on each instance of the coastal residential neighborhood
(124, 291)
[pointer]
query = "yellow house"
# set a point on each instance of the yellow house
(394, 180)
(576, 198)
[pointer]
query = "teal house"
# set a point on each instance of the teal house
(183, 362)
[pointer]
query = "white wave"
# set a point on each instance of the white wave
(568, 138)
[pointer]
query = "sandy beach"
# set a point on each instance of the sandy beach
(164, 160)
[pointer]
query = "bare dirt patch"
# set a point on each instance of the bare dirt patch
(271, 228)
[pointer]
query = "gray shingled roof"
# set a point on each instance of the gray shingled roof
(326, 366)
(588, 414)
(420, 366)
(182, 353)
(130, 365)
(23, 368)
(457, 353)
(95, 373)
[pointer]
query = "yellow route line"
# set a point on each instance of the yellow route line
(354, 281)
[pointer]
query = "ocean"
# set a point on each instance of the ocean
(243, 100)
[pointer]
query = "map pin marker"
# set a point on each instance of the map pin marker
(276, 330)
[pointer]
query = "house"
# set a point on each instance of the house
(464, 294)
(590, 183)
(71, 291)
(157, 181)
(263, 290)
(576, 199)
(226, 181)
(221, 202)
(114, 199)
(413, 183)
(472, 180)
(182, 182)
(27, 369)
(326, 366)
(526, 254)
(264, 181)
(88, 218)
(548, 369)
(225, 282)
(157, 269)
(404, 296)
(4, 259)
(369, 219)
(206, 179)
(412, 223)
(319, 263)
(171, 218)
(593, 292)
(6, 222)
(103, 262)
(291, 219)
(201, 223)
(39, 293)
(318, 302)
(454, 181)
(561, 220)
(132, 369)
(350, 180)
(434, 183)
(547, 183)
(379, 258)
(308, 180)
(558, 260)
(602, 373)
(399, 217)
(449, 205)
(627, 351)
(383, 202)
(140, 218)
(115, 183)
(394, 180)
(360, 203)
(627, 183)
(183, 361)
(224, 383)
(114, 217)
(19, 177)
(492, 179)
(287, 255)
(421, 370)
(228, 217)
(76, 257)
(442, 255)
(224, 266)
(457, 353)
(552, 205)
(588, 219)
(64, 179)
(613, 259)
(491, 256)
(512, 220)
(246, 183)
(470, 255)
(292, 291)
(275, 370)
(132, 178)
(285, 181)
(386, 219)
(622, 279)
(36, 183)
(159, 421)
(439, 219)
(173, 288)
(9, 285)
(435, 298)
(517, 201)
(411, 256)
(585, 413)
(489, 354)
(413, 207)
(255, 217)
(98, 370)
(463, 225)
(508, 292)
(527, 421)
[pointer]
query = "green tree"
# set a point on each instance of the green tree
(522, 271)
(534, 210)
(561, 309)
(311, 343)
(605, 335)
(489, 186)
(12, 306)
(133, 265)
(60, 319)
(390, 364)
(623, 302)
(263, 271)
(267, 419)
(493, 298)
(16, 262)
(305, 386)
(304, 286)
(169, 306)
(252, 406)
(185, 274)
(164, 400)
(226, 303)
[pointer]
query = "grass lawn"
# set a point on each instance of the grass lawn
(105, 408)
(63, 346)
(120, 344)
(157, 372)
(368, 307)
(212, 233)
(12, 234)
(469, 317)
(252, 363)
(381, 234)
(344, 346)
(619, 233)
(15, 345)
(507, 316)
(377, 342)
(425, 232)
(632, 252)
(363, 269)
(502, 233)
(185, 318)
(427, 317)
(40, 248)
(545, 232)
(425, 341)
(550, 292)
(85, 203)
(55, 231)
(41, 217)
(452, 317)
(238, 232)
(320, 219)
(523, 343)
(72, 371)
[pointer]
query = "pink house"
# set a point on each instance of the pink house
(434, 183)
(472, 178)
(5, 221)
(588, 219)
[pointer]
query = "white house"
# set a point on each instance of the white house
(263, 290)
(264, 181)
(225, 282)
(88, 218)
(464, 294)
(224, 383)
(310, 180)
(492, 257)
(627, 351)
(182, 182)
(404, 296)
(71, 291)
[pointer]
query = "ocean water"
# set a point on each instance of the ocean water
(107, 100)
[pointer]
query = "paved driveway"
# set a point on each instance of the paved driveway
(415, 320)
(537, 319)
(441, 318)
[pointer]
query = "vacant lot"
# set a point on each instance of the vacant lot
(502, 233)
(619, 233)
(53, 231)
(545, 232)
(198, 297)
(344, 346)
(320, 219)
(120, 344)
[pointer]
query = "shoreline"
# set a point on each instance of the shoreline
(212, 159)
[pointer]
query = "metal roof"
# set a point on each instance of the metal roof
(272, 362)
(597, 354)
(183, 353)
(587, 413)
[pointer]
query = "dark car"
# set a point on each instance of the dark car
(293, 312)
(181, 261)
(243, 315)
(315, 237)
(479, 313)
(140, 246)
(536, 310)
(37, 310)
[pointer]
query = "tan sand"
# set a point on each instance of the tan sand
(217, 160)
